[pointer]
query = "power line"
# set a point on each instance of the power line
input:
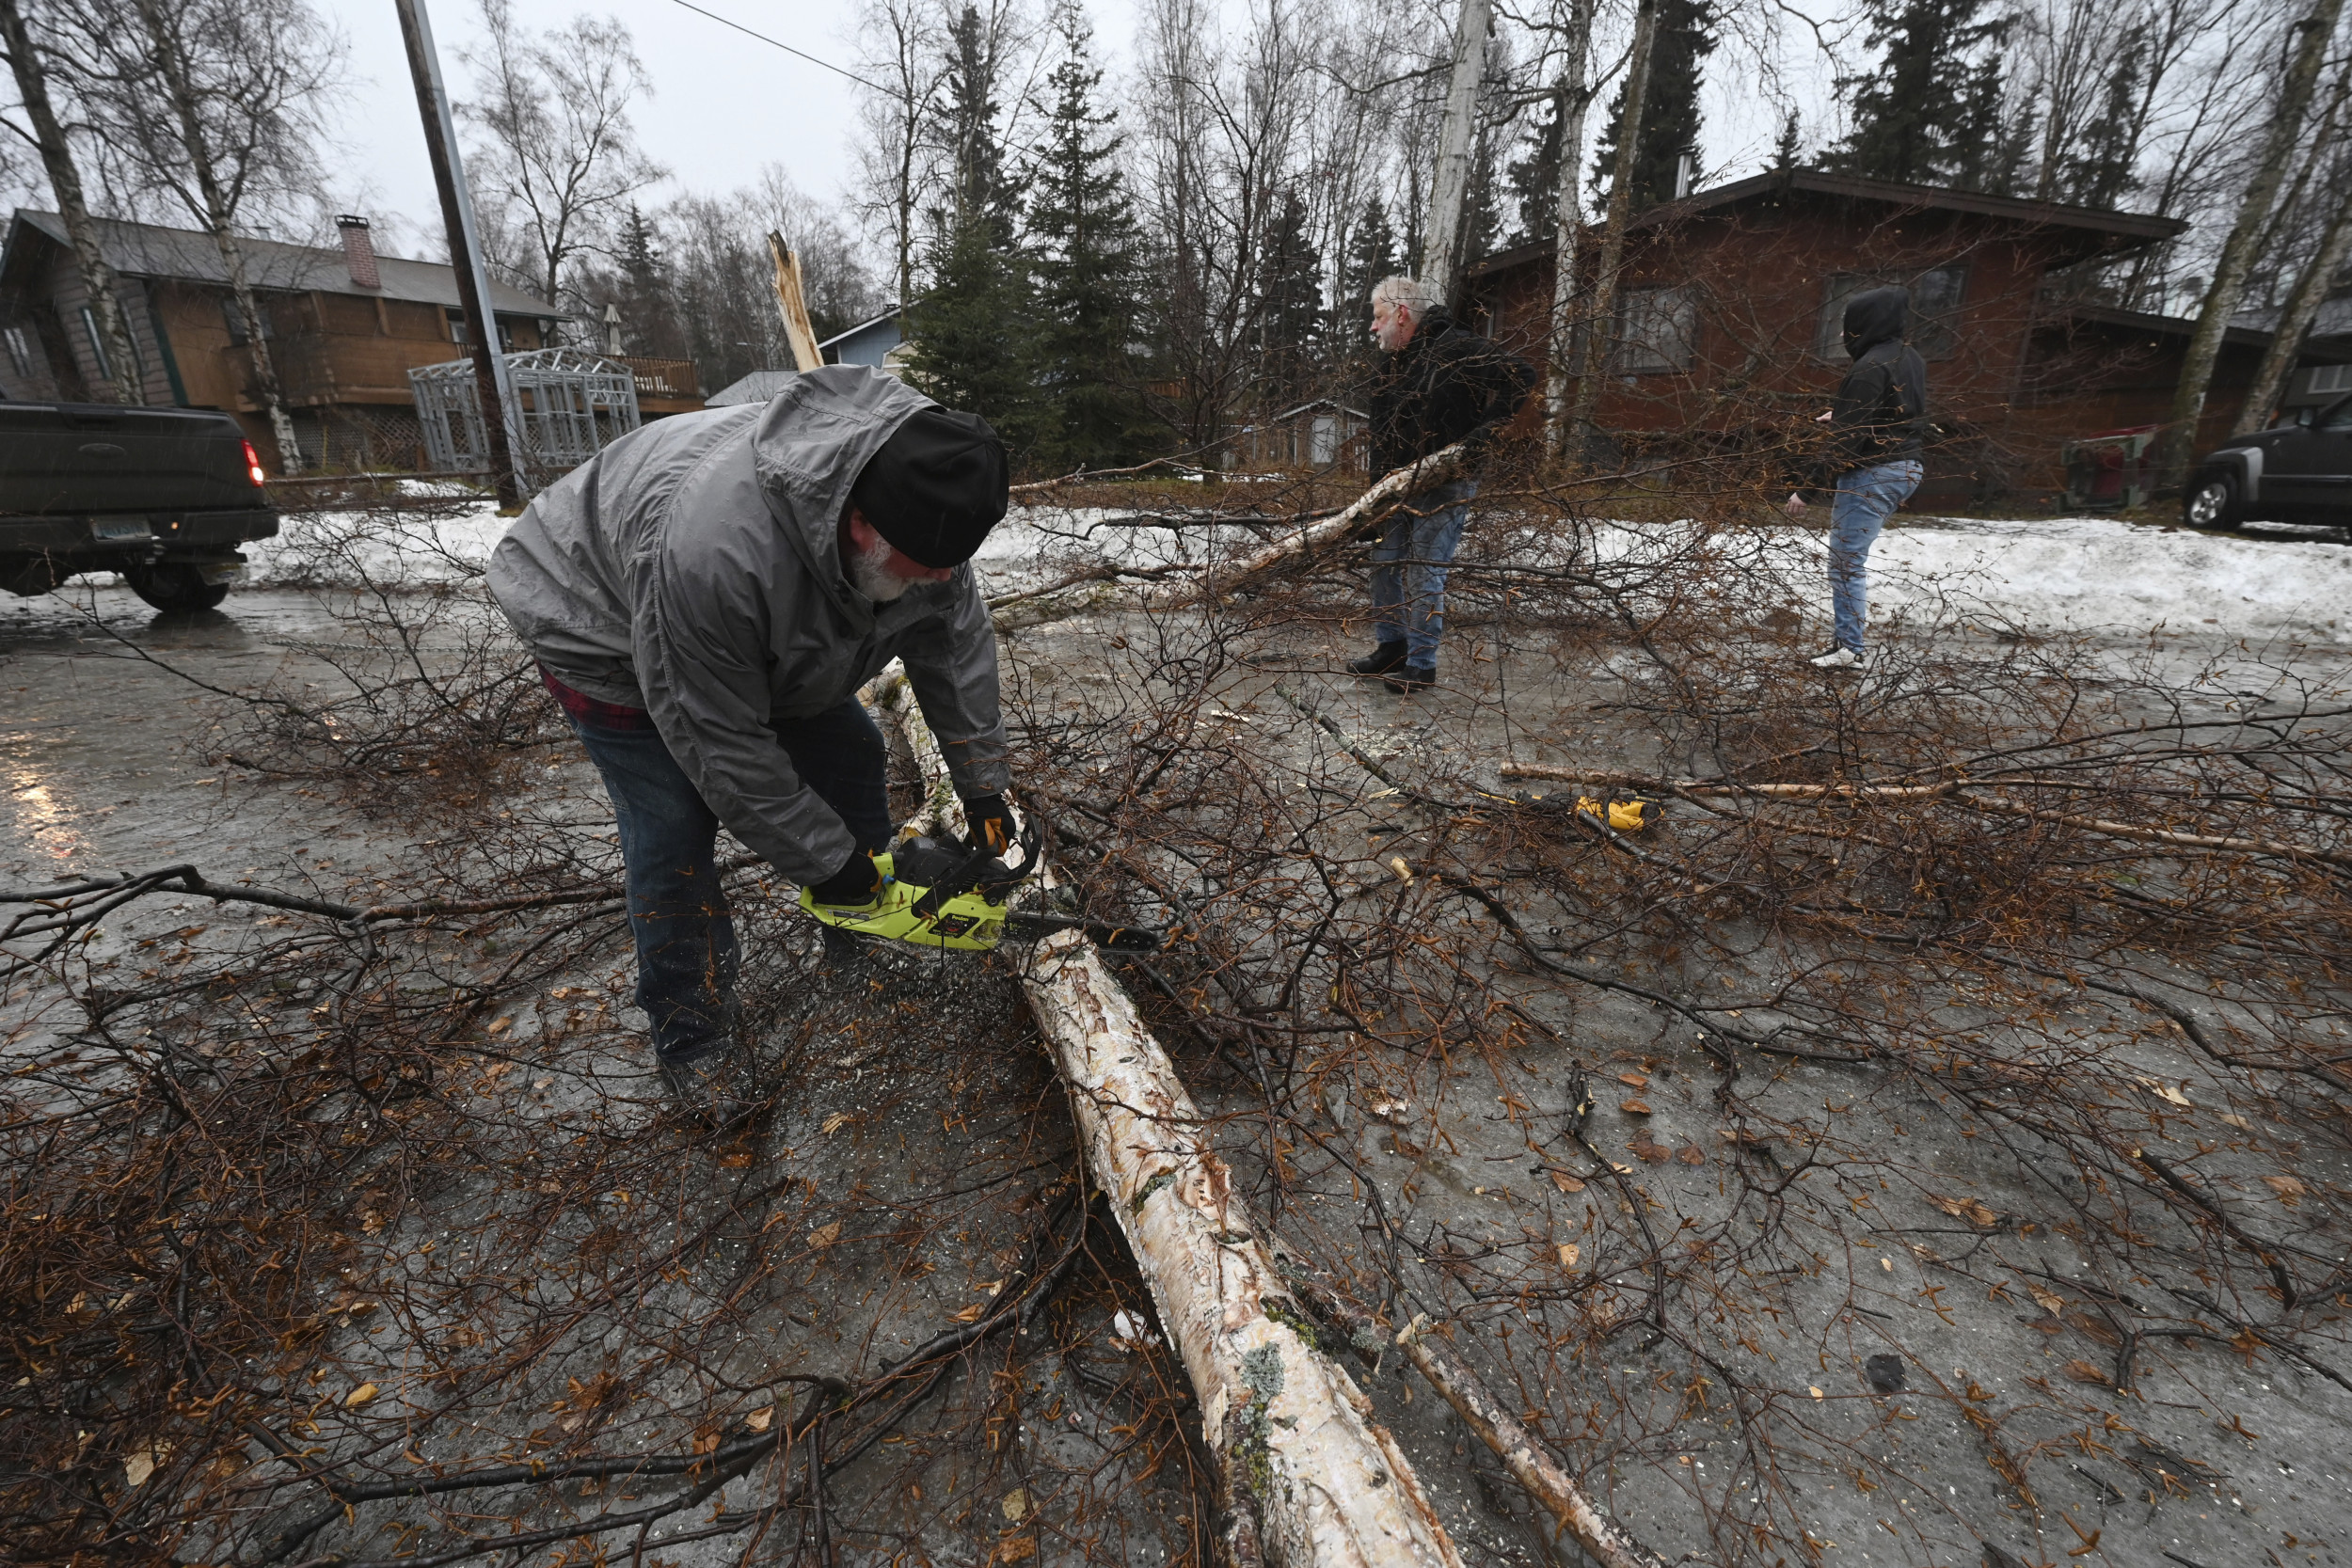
(786, 48)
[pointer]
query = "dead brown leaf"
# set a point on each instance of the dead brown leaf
(1566, 1182)
(1634, 1080)
(825, 1235)
(2083, 1372)
(1967, 1209)
(1635, 1108)
(2289, 1188)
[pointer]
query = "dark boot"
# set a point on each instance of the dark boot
(1412, 678)
(1382, 659)
(716, 1087)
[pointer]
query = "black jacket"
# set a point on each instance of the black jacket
(1880, 411)
(1447, 385)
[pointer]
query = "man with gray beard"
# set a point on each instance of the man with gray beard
(705, 597)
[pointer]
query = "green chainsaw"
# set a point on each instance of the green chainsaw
(947, 894)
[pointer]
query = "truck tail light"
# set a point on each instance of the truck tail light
(253, 464)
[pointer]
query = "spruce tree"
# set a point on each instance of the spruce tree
(973, 339)
(1906, 126)
(1371, 255)
(1087, 258)
(2101, 170)
(1790, 149)
(1290, 307)
(1535, 179)
(1671, 116)
(643, 291)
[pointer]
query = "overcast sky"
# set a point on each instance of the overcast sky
(723, 104)
(726, 103)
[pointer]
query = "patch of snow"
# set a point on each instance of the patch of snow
(2102, 574)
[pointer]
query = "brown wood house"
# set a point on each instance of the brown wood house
(345, 326)
(1727, 327)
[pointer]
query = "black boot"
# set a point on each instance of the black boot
(1412, 678)
(1382, 659)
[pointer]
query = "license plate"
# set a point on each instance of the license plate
(115, 529)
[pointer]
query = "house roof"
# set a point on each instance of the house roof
(1322, 403)
(758, 387)
(2241, 331)
(152, 251)
(2095, 230)
(2333, 320)
(890, 315)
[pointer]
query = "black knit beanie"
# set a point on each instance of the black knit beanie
(936, 487)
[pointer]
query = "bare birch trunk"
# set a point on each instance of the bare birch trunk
(65, 182)
(1599, 331)
(1306, 1477)
(1451, 190)
(2177, 444)
(2286, 338)
(1574, 99)
(1019, 612)
(220, 219)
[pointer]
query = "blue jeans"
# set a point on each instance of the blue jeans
(1865, 498)
(1408, 568)
(685, 953)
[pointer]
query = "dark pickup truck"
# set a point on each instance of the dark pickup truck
(164, 496)
(2292, 473)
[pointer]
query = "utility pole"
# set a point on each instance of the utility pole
(494, 388)
(1441, 249)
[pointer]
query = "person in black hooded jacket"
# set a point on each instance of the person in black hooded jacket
(1439, 384)
(1873, 463)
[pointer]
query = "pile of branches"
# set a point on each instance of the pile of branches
(2046, 903)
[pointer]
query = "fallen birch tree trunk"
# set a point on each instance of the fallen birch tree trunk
(1524, 1455)
(1957, 791)
(1306, 1477)
(1019, 612)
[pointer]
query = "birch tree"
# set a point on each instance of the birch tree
(215, 107)
(556, 159)
(902, 58)
(44, 131)
(2309, 33)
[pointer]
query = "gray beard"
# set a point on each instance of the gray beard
(869, 574)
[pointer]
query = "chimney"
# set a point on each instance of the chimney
(359, 251)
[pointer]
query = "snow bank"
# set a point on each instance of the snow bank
(2069, 574)
(2100, 573)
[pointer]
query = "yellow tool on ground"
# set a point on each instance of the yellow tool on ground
(948, 895)
(1626, 817)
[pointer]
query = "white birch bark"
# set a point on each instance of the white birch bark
(1307, 1478)
(1020, 612)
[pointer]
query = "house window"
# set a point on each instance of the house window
(1935, 296)
(20, 350)
(235, 321)
(1656, 330)
(97, 345)
(2325, 378)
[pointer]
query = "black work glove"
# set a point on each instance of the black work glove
(858, 880)
(990, 822)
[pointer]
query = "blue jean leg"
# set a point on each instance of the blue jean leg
(687, 958)
(1408, 569)
(1865, 498)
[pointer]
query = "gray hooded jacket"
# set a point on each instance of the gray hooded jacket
(692, 569)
